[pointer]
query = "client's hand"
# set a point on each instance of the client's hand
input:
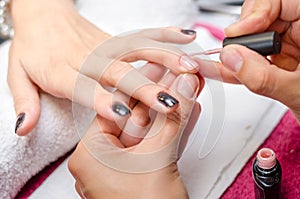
(138, 160)
(52, 41)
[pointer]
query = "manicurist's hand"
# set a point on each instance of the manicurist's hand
(137, 159)
(51, 45)
(279, 76)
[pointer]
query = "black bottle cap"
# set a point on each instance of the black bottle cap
(267, 43)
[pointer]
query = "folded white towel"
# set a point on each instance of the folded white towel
(23, 157)
(55, 134)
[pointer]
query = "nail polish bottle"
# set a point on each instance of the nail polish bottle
(266, 172)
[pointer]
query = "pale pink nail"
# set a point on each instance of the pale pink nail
(188, 63)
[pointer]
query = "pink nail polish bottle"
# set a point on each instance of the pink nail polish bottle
(266, 172)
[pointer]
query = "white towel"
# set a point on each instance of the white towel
(55, 134)
(23, 157)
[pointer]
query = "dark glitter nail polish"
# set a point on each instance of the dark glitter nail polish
(167, 99)
(188, 31)
(19, 122)
(120, 109)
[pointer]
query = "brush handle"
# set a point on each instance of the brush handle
(267, 43)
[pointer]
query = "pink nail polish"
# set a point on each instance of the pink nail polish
(266, 172)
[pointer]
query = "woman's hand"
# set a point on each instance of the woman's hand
(135, 160)
(51, 43)
(278, 77)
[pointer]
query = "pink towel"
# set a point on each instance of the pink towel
(285, 141)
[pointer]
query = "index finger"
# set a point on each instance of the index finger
(259, 16)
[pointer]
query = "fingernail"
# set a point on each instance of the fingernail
(19, 122)
(232, 59)
(188, 85)
(188, 31)
(167, 99)
(120, 109)
(188, 62)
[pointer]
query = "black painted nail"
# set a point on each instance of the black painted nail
(167, 99)
(188, 31)
(120, 109)
(19, 122)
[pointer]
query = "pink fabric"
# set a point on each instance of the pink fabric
(38, 179)
(284, 140)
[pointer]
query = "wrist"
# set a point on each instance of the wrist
(24, 10)
(165, 183)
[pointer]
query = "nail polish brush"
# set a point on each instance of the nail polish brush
(267, 43)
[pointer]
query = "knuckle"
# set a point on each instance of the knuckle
(141, 120)
(71, 164)
(9, 79)
(116, 72)
(184, 116)
(166, 32)
(262, 82)
(21, 99)
(52, 80)
(179, 117)
(137, 43)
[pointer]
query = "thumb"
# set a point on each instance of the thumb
(26, 99)
(260, 76)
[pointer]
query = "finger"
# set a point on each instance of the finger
(139, 115)
(169, 56)
(154, 72)
(79, 190)
(260, 76)
(138, 123)
(166, 129)
(263, 14)
(130, 81)
(142, 118)
(189, 127)
(167, 80)
(109, 105)
(169, 34)
(26, 99)
(134, 49)
(88, 92)
(110, 127)
(247, 8)
(123, 76)
(215, 70)
(102, 131)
